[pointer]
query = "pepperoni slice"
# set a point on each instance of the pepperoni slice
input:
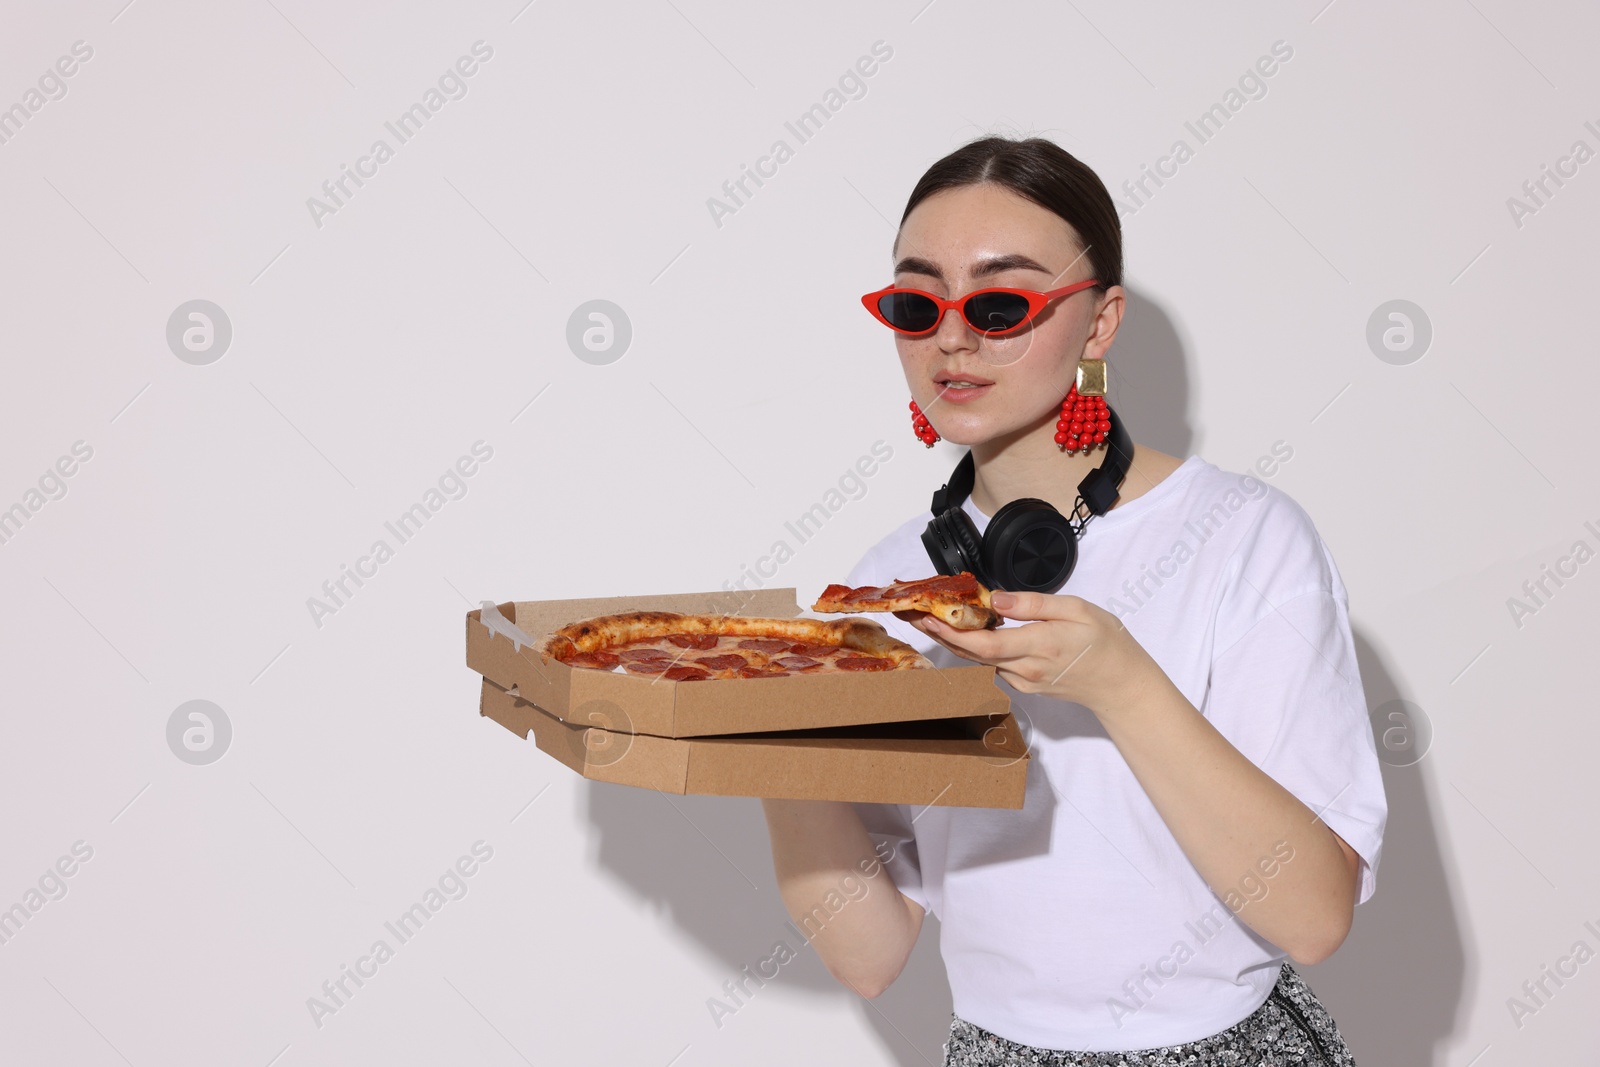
(601, 659)
(959, 587)
(724, 662)
(646, 666)
(957, 584)
(645, 655)
(686, 674)
(765, 644)
(797, 663)
(759, 672)
(813, 651)
(864, 663)
(695, 641)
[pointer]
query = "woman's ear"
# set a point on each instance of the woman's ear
(1107, 319)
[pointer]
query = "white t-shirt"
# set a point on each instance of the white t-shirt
(1077, 922)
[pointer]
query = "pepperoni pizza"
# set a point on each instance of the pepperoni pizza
(686, 648)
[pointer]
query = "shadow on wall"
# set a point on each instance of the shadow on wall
(1396, 985)
(1148, 377)
(706, 862)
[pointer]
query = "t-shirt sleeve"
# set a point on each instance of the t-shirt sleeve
(1285, 685)
(889, 825)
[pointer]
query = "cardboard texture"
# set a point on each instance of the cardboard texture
(498, 647)
(968, 761)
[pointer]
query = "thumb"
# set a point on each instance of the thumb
(1030, 605)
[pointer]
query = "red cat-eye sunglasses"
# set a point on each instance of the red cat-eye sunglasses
(988, 311)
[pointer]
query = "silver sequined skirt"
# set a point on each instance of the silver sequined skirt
(1291, 1029)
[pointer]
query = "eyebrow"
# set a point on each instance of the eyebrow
(984, 268)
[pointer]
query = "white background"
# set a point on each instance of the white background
(372, 351)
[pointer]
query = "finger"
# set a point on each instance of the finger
(1010, 656)
(927, 624)
(987, 646)
(1034, 606)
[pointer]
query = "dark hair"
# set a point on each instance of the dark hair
(1045, 173)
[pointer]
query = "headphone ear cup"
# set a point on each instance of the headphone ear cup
(967, 542)
(1029, 545)
(952, 543)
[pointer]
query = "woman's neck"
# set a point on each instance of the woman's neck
(1029, 463)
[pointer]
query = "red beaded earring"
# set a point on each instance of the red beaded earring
(922, 427)
(1084, 422)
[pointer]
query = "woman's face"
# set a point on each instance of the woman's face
(980, 237)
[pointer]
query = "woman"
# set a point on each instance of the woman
(1203, 800)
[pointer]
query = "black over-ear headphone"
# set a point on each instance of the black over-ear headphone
(1028, 545)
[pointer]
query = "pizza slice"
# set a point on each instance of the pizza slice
(959, 600)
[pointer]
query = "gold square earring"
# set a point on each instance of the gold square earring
(1091, 377)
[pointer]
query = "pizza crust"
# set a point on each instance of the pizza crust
(964, 616)
(609, 631)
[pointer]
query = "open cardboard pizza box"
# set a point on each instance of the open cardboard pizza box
(976, 761)
(502, 640)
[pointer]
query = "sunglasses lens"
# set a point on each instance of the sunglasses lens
(995, 312)
(911, 312)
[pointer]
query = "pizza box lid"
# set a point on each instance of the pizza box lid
(967, 761)
(502, 640)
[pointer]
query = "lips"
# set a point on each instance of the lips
(958, 379)
(961, 388)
